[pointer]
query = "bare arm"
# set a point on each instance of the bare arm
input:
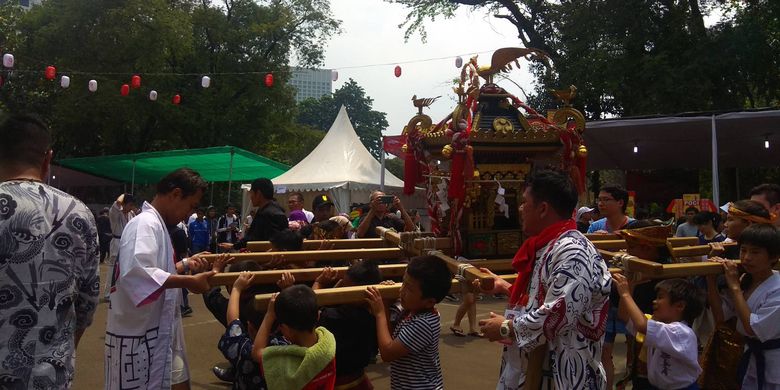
(261, 340)
(389, 348)
(627, 309)
(365, 224)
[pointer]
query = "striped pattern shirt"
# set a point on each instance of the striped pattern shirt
(420, 369)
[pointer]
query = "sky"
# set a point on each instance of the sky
(370, 35)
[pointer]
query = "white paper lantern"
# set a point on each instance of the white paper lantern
(458, 62)
(92, 85)
(8, 60)
(205, 81)
(65, 82)
(334, 75)
(153, 95)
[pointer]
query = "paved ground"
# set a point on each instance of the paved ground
(467, 363)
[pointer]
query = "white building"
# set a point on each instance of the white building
(311, 83)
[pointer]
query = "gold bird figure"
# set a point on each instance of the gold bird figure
(565, 95)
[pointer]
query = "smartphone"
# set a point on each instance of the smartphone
(387, 199)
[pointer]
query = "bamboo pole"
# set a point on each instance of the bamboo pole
(326, 255)
(265, 246)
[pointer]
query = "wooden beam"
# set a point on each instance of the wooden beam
(357, 294)
(600, 237)
(326, 255)
(620, 243)
(696, 250)
(610, 245)
(308, 245)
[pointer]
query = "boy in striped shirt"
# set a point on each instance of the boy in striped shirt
(413, 348)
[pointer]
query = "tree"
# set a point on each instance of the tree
(170, 43)
(320, 113)
(639, 57)
(395, 166)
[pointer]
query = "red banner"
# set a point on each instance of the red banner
(393, 144)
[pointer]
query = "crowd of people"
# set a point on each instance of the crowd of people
(564, 301)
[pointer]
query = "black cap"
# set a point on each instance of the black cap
(264, 186)
(321, 200)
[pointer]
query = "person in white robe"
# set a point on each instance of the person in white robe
(144, 343)
(754, 299)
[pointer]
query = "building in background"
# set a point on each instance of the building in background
(311, 83)
(23, 3)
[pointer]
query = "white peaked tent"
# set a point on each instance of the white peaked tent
(340, 166)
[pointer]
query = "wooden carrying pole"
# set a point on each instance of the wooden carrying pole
(652, 270)
(310, 274)
(470, 273)
(357, 294)
(308, 245)
(697, 250)
(326, 255)
(620, 243)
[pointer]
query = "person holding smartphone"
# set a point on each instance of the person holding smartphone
(379, 215)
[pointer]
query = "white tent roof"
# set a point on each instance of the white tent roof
(339, 161)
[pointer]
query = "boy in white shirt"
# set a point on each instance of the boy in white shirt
(672, 349)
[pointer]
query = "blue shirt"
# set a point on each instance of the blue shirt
(601, 224)
(199, 233)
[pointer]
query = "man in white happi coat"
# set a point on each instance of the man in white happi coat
(144, 345)
(560, 298)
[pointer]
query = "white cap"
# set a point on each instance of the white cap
(583, 210)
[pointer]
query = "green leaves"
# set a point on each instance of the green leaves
(170, 44)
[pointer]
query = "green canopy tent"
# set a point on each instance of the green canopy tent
(217, 164)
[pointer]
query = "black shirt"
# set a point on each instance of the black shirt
(104, 229)
(269, 220)
(389, 221)
(355, 332)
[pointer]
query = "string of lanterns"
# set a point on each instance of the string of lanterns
(50, 73)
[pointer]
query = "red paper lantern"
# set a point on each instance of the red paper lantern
(269, 80)
(397, 71)
(50, 73)
(125, 90)
(135, 81)
(176, 99)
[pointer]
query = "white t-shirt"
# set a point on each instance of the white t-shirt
(672, 354)
(142, 315)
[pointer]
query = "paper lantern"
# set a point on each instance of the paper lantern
(65, 82)
(176, 99)
(458, 62)
(269, 80)
(135, 81)
(125, 90)
(334, 75)
(8, 60)
(50, 73)
(153, 95)
(92, 85)
(397, 71)
(205, 81)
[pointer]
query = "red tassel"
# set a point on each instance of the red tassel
(457, 188)
(411, 173)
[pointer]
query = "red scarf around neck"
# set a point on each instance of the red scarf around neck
(523, 262)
